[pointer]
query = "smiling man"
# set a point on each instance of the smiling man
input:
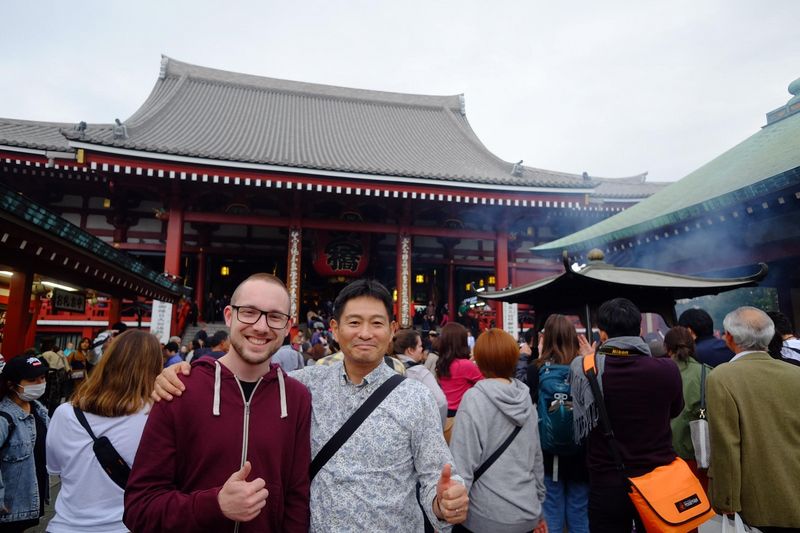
(370, 482)
(204, 462)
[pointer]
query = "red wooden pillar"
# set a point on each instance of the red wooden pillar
(30, 335)
(18, 316)
(500, 270)
(200, 284)
(294, 273)
(114, 310)
(451, 291)
(404, 280)
(172, 257)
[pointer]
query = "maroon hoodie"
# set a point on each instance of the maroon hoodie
(192, 445)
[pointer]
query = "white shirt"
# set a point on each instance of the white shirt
(88, 502)
(787, 351)
(424, 376)
(742, 354)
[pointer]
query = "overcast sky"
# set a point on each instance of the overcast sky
(614, 88)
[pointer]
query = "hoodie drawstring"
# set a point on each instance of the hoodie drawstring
(217, 384)
(284, 413)
(217, 380)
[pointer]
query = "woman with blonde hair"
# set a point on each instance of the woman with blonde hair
(496, 415)
(115, 400)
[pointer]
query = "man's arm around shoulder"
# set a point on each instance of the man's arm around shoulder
(153, 499)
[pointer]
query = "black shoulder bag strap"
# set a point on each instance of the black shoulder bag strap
(497, 453)
(600, 403)
(85, 423)
(110, 460)
(353, 423)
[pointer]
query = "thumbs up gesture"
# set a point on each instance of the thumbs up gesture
(451, 503)
(241, 500)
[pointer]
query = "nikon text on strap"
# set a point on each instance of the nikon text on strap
(352, 424)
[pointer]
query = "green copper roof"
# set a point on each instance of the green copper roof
(765, 162)
(19, 207)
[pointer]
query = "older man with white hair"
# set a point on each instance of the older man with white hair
(755, 428)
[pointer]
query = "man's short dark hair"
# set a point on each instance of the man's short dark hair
(119, 327)
(782, 323)
(218, 338)
(362, 287)
(698, 320)
(172, 347)
(619, 318)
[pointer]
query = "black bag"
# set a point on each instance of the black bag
(108, 457)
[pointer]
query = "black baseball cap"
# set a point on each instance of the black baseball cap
(24, 367)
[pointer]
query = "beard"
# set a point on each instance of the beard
(250, 357)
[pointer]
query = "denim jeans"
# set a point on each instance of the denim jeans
(566, 503)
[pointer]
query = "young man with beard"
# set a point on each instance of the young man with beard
(204, 462)
(370, 483)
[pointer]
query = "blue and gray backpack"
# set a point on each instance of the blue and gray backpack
(555, 410)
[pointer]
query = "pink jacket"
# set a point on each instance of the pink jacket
(463, 375)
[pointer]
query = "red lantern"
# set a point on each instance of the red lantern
(341, 253)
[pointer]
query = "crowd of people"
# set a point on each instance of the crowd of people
(351, 424)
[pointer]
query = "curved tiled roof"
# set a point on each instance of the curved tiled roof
(34, 135)
(635, 187)
(764, 161)
(206, 113)
(201, 112)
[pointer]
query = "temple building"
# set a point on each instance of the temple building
(737, 210)
(220, 174)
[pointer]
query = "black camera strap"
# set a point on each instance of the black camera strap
(352, 423)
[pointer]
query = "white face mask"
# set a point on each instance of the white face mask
(32, 392)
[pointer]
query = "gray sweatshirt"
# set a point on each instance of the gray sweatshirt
(509, 495)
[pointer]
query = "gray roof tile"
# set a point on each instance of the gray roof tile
(635, 187)
(214, 114)
(34, 135)
(747, 170)
(207, 113)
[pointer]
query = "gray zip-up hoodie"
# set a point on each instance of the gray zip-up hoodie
(509, 495)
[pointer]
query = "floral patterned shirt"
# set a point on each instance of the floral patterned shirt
(370, 483)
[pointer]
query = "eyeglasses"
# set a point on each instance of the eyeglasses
(251, 315)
